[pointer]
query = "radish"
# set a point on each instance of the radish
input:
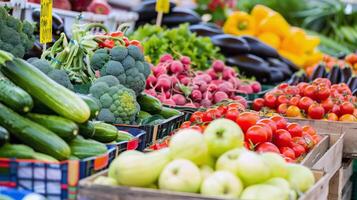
(179, 99)
(174, 80)
(217, 82)
(150, 81)
(207, 95)
(185, 60)
(235, 81)
(256, 86)
(151, 92)
(163, 83)
(196, 95)
(218, 66)
(241, 100)
(212, 87)
(246, 88)
(212, 74)
(159, 70)
(169, 102)
(165, 58)
(161, 97)
(185, 80)
(220, 96)
(167, 94)
(228, 72)
(206, 103)
(190, 105)
(176, 67)
(226, 87)
(207, 78)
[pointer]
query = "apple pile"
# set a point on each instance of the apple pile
(214, 164)
(175, 84)
(316, 100)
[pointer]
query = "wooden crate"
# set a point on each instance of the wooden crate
(330, 127)
(317, 152)
(90, 191)
(340, 182)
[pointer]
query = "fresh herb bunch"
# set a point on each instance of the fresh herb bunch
(179, 41)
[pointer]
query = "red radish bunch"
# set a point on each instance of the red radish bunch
(174, 83)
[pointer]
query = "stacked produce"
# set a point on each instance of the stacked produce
(213, 164)
(270, 27)
(174, 83)
(317, 100)
(216, 9)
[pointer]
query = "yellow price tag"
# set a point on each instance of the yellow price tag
(46, 21)
(162, 6)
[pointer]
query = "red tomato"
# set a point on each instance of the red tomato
(279, 121)
(232, 114)
(196, 127)
(222, 109)
(336, 109)
(308, 129)
(289, 160)
(282, 138)
(282, 108)
(268, 129)
(270, 100)
(332, 117)
(270, 122)
(316, 111)
(316, 139)
(310, 91)
(294, 101)
(282, 99)
(346, 108)
(308, 139)
(197, 117)
(238, 106)
(247, 119)
(355, 112)
(186, 124)
(208, 116)
(298, 149)
(283, 86)
(302, 87)
(323, 81)
(305, 103)
(322, 93)
(267, 147)
(327, 104)
(287, 152)
(258, 104)
(256, 134)
(291, 90)
(294, 129)
(301, 141)
(247, 145)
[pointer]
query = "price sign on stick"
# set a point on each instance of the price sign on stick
(46, 21)
(162, 6)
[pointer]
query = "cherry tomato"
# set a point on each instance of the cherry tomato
(282, 108)
(298, 149)
(302, 87)
(287, 152)
(322, 81)
(196, 127)
(232, 114)
(197, 117)
(336, 109)
(308, 139)
(332, 117)
(282, 99)
(289, 160)
(305, 103)
(268, 129)
(267, 147)
(247, 145)
(186, 124)
(279, 121)
(327, 104)
(316, 138)
(308, 129)
(347, 118)
(117, 34)
(346, 108)
(316, 111)
(291, 90)
(301, 141)
(310, 91)
(238, 106)
(269, 122)
(270, 100)
(256, 134)
(282, 138)
(283, 86)
(222, 109)
(258, 104)
(293, 111)
(294, 101)
(209, 115)
(126, 41)
(247, 119)
(294, 129)
(322, 93)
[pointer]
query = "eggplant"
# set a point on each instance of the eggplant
(352, 83)
(259, 48)
(346, 74)
(180, 15)
(319, 72)
(146, 10)
(285, 69)
(335, 75)
(354, 92)
(212, 25)
(205, 30)
(230, 45)
(276, 76)
(293, 67)
(294, 80)
(57, 22)
(304, 78)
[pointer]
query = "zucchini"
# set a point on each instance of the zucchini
(64, 128)
(104, 132)
(85, 148)
(142, 115)
(149, 104)
(19, 151)
(61, 100)
(124, 136)
(169, 112)
(36, 136)
(86, 129)
(14, 97)
(4, 136)
(92, 104)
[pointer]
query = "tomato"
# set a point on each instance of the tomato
(247, 145)
(247, 119)
(282, 108)
(280, 121)
(308, 139)
(186, 124)
(282, 138)
(203, 127)
(283, 86)
(316, 111)
(305, 103)
(126, 41)
(117, 34)
(288, 160)
(355, 112)
(316, 138)
(238, 106)
(270, 100)
(302, 87)
(269, 122)
(346, 108)
(308, 129)
(232, 114)
(347, 118)
(287, 152)
(209, 116)
(336, 109)
(196, 127)
(256, 134)
(268, 129)
(298, 149)
(282, 99)
(332, 117)
(293, 111)
(310, 91)
(294, 101)
(301, 141)
(222, 109)
(327, 104)
(322, 93)
(322, 81)
(267, 147)
(258, 104)
(294, 129)
(197, 117)
(291, 90)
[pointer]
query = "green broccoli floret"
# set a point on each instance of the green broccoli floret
(106, 100)
(118, 53)
(106, 116)
(147, 69)
(114, 68)
(98, 89)
(128, 62)
(135, 52)
(135, 80)
(109, 80)
(40, 64)
(61, 77)
(99, 59)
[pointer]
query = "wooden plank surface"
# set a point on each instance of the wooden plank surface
(317, 152)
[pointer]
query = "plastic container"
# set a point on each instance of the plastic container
(137, 143)
(12, 193)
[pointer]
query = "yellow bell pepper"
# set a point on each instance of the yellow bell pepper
(274, 23)
(270, 38)
(313, 58)
(240, 23)
(260, 12)
(297, 59)
(311, 42)
(295, 41)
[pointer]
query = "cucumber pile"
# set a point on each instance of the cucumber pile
(42, 120)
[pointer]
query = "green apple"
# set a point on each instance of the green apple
(189, 144)
(229, 160)
(262, 191)
(206, 171)
(103, 180)
(300, 177)
(282, 184)
(222, 184)
(276, 163)
(222, 135)
(181, 176)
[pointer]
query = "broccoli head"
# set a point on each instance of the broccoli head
(118, 103)
(99, 59)
(114, 68)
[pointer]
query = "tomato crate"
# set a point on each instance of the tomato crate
(155, 132)
(54, 180)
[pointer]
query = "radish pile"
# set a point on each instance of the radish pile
(175, 84)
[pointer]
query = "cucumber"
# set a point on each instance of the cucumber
(61, 100)
(124, 136)
(104, 132)
(64, 128)
(19, 151)
(143, 115)
(34, 135)
(4, 136)
(169, 112)
(14, 97)
(86, 129)
(92, 104)
(149, 104)
(153, 120)
(44, 157)
(85, 148)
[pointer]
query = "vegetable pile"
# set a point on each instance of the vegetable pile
(175, 84)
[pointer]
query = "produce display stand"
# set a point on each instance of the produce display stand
(340, 184)
(89, 191)
(138, 142)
